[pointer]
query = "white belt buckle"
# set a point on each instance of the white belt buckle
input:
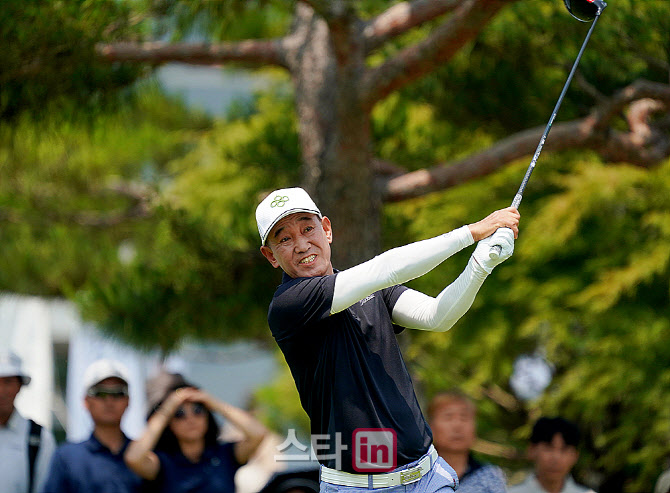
(410, 475)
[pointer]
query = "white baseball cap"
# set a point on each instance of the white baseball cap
(282, 203)
(102, 369)
(10, 366)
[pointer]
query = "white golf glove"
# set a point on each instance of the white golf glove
(503, 237)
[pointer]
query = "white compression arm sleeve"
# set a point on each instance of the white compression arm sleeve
(416, 310)
(396, 266)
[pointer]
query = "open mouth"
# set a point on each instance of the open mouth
(308, 260)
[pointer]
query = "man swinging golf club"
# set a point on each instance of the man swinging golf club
(337, 332)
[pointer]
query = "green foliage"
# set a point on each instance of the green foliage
(411, 134)
(48, 52)
(587, 286)
(281, 409)
(194, 269)
(524, 57)
(221, 19)
(201, 275)
(58, 191)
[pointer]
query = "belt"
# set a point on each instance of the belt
(381, 480)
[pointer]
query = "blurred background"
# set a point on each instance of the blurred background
(137, 137)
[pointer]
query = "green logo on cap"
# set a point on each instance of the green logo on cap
(279, 201)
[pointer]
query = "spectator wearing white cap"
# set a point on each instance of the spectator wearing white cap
(25, 447)
(96, 465)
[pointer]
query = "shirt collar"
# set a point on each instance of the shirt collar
(568, 483)
(286, 278)
(94, 445)
(15, 421)
(473, 465)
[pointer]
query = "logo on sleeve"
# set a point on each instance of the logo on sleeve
(366, 299)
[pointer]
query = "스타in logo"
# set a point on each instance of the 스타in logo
(374, 449)
(279, 201)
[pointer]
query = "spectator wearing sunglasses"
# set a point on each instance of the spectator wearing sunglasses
(96, 465)
(180, 450)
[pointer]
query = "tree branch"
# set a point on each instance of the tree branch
(94, 219)
(587, 87)
(257, 52)
(639, 89)
(496, 449)
(451, 174)
(402, 17)
(91, 219)
(504, 399)
(645, 144)
(441, 45)
(382, 167)
(141, 198)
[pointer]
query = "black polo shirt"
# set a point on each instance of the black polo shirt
(347, 367)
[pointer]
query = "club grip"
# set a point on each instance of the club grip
(494, 252)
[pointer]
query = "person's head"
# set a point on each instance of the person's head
(106, 387)
(12, 378)
(294, 234)
(553, 448)
(451, 416)
(191, 422)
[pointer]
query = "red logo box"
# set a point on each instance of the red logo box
(374, 450)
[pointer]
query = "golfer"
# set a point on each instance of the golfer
(337, 331)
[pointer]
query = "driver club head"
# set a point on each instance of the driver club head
(585, 10)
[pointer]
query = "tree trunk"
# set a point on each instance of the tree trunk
(335, 135)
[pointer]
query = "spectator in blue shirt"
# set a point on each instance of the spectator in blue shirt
(96, 465)
(180, 450)
(452, 418)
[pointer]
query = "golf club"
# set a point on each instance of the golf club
(584, 11)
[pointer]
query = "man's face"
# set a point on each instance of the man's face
(9, 388)
(108, 404)
(554, 460)
(300, 245)
(453, 426)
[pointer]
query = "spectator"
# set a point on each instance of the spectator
(96, 465)
(451, 416)
(553, 450)
(25, 447)
(180, 450)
